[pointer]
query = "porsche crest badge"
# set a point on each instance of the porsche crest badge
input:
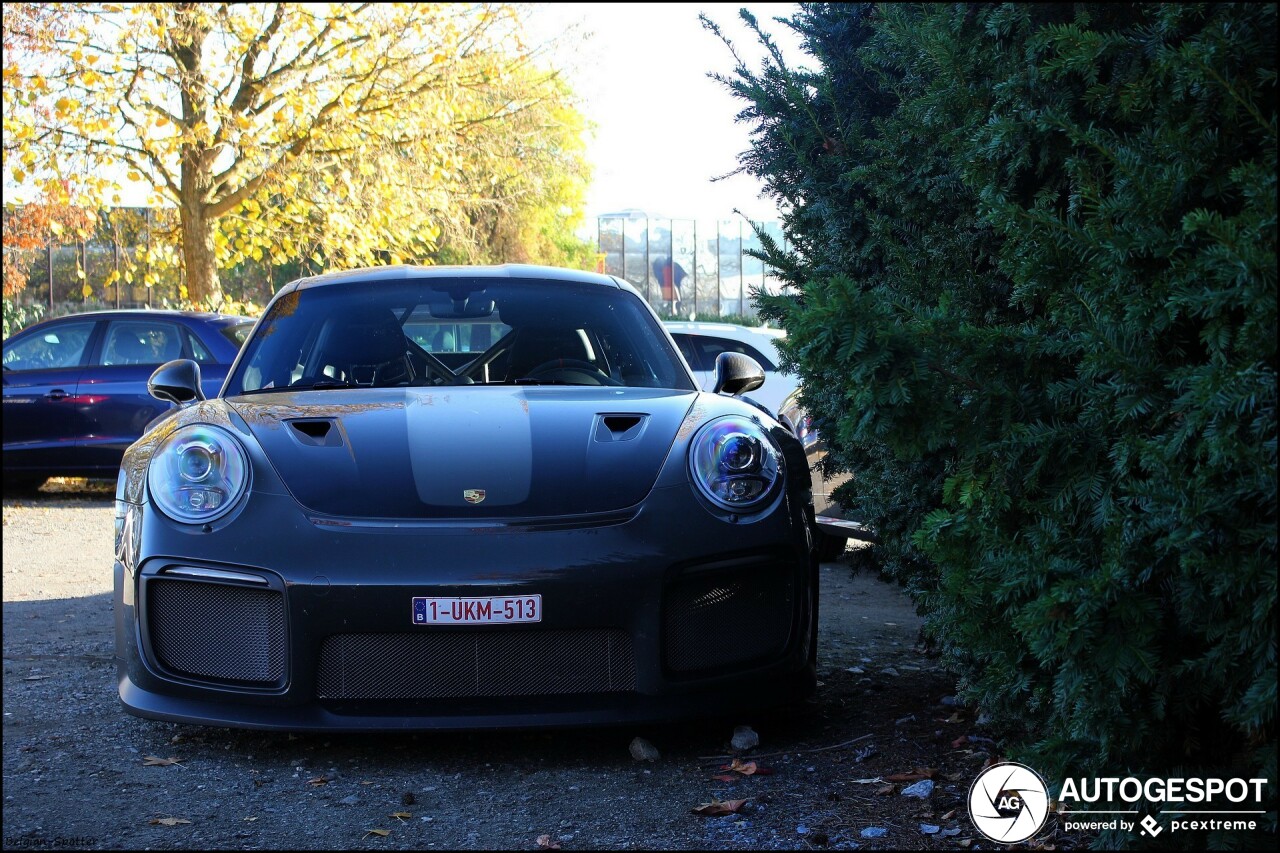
(473, 496)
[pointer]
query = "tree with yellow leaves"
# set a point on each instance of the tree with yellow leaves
(345, 133)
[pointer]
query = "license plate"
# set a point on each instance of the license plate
(498, 610)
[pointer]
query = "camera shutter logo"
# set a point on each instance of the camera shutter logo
(1008, 802)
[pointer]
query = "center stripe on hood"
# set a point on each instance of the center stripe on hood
(459, 442)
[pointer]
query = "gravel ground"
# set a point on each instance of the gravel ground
(77, 775)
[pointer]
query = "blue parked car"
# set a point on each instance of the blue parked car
(75, 387)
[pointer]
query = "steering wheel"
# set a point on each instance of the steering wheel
(574, 364)
(401, 363)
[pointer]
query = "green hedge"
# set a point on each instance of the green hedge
(1033, 303)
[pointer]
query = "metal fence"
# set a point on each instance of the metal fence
(57, 275)
(708, 260)
(683, 267)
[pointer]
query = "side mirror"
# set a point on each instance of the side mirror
(176, 381)
(737, 374)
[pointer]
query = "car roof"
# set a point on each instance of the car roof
(400, 272)
(758, 336)
(728, 329)
(208, 316)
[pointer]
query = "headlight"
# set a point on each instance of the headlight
(733, 463)
(197, 474)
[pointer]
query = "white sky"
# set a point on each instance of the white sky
(663, 128)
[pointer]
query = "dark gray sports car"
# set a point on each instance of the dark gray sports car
(461, 498)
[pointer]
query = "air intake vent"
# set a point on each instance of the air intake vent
(620, 427)
(721, 619)
(317, 433)
(442, 665)
(218, 632)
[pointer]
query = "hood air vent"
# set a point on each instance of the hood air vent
(619, 427)
(316, 433)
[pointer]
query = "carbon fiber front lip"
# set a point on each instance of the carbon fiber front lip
(528, 712)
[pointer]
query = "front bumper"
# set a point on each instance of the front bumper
(682, 613)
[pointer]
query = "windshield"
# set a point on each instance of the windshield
(457, 331)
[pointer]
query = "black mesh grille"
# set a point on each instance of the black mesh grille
(217, 631)
(724, 618)
(474, 664)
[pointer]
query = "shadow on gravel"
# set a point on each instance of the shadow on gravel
(61, 626)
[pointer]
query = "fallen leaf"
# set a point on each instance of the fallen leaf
(168, 821)
(885, 790)
(401, 815)
(318, 781)
(718, 808)
(545, 843)
(381, 833)
(747, 768)
(725, 778)
(914, 775)
(156, 761)
(949, 815)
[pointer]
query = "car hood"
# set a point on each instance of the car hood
(459, 452)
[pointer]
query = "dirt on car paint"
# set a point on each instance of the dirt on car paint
(881, 758)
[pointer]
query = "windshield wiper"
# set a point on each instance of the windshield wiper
(323, 384)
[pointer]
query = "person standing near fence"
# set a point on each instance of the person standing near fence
(670, 276)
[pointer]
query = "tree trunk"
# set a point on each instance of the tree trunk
(187, 39)
(203, 286)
